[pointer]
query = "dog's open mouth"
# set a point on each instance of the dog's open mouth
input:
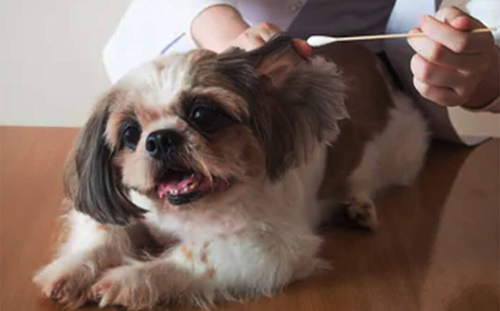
(186, 186)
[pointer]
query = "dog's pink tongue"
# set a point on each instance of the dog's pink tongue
(182, 185)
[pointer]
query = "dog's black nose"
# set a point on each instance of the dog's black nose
(160, 144)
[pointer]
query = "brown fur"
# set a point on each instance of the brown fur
(368, 101)
(92, 178)
(293, 103)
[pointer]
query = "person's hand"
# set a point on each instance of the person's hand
(302, 47)
(450, 61)
(221, 26)
(254, 37)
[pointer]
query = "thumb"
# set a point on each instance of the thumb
(462, 22)
(457, 19)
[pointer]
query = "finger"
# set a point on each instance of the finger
(439, 54)
(250, 41)
(449, 13)
(439, 95)
(479, 41)
(463, 23)
(462, 42)
(274, 27)
(433, 74)
(302, 47)
(267, 30)
(460, 20)
(256, 42)
(457, 18)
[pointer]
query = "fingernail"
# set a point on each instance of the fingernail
(461, 22)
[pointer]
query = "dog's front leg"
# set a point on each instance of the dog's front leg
(202, 272)
(90, 249)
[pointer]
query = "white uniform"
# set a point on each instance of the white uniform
(153, 27)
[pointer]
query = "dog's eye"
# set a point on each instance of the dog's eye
(131, 135)
(207, 119)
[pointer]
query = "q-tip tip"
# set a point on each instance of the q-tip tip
(316, 41)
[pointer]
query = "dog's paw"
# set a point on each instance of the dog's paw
(127, 286)
(66, 281)
(364, 213)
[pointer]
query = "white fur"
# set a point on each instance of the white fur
(395, 156)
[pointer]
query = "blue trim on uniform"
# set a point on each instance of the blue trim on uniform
(172, 43)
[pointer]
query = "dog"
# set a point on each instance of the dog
(202, 177)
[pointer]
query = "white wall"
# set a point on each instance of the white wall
(50, 59)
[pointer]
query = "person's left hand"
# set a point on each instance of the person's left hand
(450, 61)
(254, 37)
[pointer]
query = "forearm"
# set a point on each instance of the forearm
(488, 88)
(225, 23)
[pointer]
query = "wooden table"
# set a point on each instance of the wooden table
(437, 248)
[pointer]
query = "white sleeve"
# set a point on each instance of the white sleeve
(475, 125)
(150, 28)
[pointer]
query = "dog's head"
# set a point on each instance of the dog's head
(187, 129)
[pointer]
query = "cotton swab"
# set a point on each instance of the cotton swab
(323, 40)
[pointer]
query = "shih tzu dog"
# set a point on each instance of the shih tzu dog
(202, 177)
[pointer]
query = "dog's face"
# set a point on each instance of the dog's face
(189, 129)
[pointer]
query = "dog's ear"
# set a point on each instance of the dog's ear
(270, 64)
(91, 180)
(300, 105)
(276, 59)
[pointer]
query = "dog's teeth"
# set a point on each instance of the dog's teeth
(174, 191)
(184, 190)
(191, 186)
